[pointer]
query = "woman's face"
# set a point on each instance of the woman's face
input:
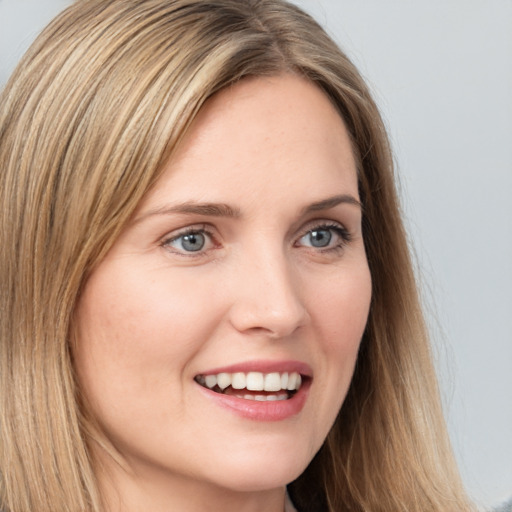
(242, 268)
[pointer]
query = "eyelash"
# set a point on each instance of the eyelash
(341, 232)
(202, 230)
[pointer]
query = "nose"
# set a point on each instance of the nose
(267, 299)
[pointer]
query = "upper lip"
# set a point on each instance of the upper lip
(264, 366)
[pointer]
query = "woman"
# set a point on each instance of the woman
(207, 294)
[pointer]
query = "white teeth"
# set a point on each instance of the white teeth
(265, 398)
(238, 380)
(292, 378)
(294, 381)
(223, 380)
(210, 381)
(254, 381)
(272, 382)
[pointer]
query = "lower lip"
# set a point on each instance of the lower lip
(262, 411)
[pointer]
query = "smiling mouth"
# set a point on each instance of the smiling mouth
(254, 385)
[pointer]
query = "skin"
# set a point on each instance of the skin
(154, 315)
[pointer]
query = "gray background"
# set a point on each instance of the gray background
(442, 73)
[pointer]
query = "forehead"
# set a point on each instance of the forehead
(263, 134)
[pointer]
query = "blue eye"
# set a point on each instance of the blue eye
(192, 242)
(325, 237)
(189, 242)
(319, 237)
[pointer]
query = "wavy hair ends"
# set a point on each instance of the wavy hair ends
(87, 121)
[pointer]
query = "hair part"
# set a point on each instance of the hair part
(87, 121)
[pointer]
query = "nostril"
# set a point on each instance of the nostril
(265, 321)
(266, 296)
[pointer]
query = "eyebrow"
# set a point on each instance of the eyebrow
(331, 202)
(225, 210)
(191, 207)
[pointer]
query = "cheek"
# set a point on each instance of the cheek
(136, 337)
(134, 331)
(340, 320)
(341, 309)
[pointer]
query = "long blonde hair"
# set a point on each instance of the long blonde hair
(87, 120)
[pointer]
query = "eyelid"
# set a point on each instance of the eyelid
(321, 223)
(204, 229)
(341, 231)
(344, 235)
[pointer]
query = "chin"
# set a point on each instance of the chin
(253, 471)
(258, 480)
